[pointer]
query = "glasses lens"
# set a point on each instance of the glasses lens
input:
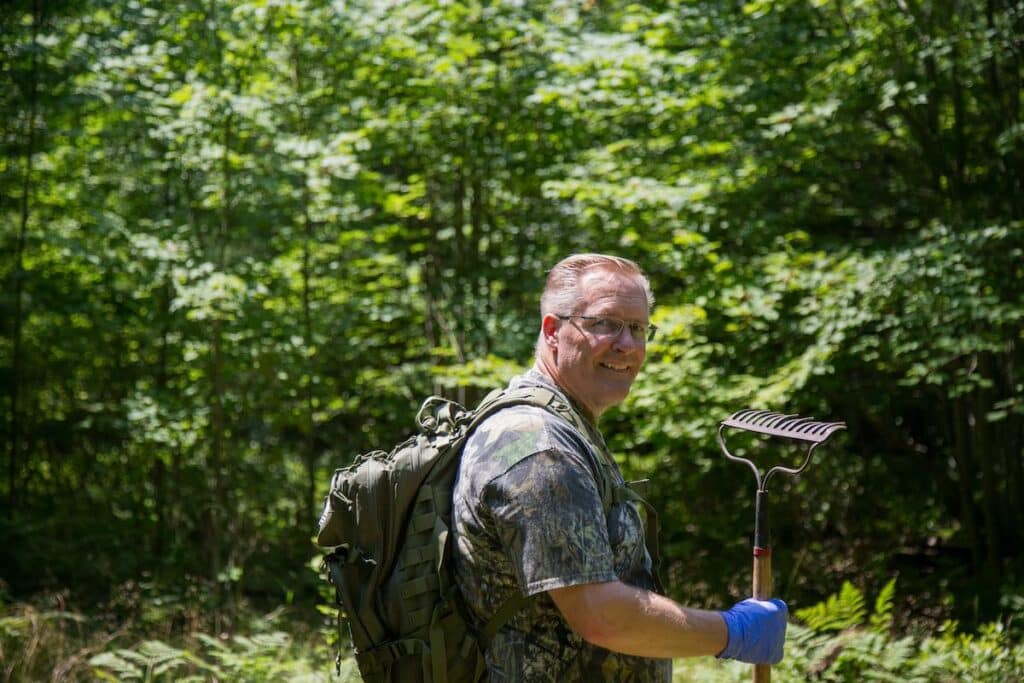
(642, 332)
(606, 326)
(612, 327)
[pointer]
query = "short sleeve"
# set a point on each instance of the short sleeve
(548, 515)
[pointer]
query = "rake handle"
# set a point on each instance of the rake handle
(762, 584)
(762, 591)
(786, 426)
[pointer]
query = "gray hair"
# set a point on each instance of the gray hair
(562, 294)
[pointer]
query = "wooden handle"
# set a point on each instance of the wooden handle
(762, 590)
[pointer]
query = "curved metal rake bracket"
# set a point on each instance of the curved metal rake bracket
(779, 425)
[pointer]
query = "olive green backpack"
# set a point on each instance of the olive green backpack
(387, 520)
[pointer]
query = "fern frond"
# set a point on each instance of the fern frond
(135, 657)
(275, 640)
(14, 627)
(157, 652)
(121, 667)
(881, 620)
(64, 615)
(246, 643)
(841, 611)
(210, 642)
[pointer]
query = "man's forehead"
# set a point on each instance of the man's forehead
(609, 277)
(610, 289)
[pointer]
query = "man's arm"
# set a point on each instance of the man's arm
(549, 518)
(634, 621)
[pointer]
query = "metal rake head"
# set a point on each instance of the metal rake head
(788, 426)
(777, 424)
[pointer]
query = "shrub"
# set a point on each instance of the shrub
(841, 641)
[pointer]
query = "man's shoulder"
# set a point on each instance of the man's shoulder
(514, 433)
(523, 416)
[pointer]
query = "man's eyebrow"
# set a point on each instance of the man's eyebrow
(617, 317)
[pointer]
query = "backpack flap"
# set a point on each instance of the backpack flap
(344, 572)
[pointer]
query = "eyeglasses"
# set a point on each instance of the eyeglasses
(612, 327)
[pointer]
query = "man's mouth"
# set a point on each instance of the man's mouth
(616, 367)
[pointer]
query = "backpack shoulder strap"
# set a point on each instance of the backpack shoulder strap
(499, 399)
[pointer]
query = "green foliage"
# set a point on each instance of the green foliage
(32, 640)
(39, 643)
(836, 640)
(260, 657)
(150, 661)
(866, 649)
(839, 640)
(844, 610)
(244, 239)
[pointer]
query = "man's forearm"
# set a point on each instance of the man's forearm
(634, 621)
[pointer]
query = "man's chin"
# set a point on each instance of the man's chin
(617, 393)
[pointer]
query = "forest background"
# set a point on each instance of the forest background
(242, 241)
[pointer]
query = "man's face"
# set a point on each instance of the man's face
(596, 369)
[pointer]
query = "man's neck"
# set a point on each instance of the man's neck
(540, 367)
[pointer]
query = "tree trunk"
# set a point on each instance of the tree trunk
(983, 448)
(163, 503)
(17, 362)
(959, 180)
(309, 445)
(1014, 451)
(217, 385)
(307, 325)
(965, 479)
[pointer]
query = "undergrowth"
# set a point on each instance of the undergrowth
(842, 639)
(146, 634)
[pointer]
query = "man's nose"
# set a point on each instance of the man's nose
(625, 341)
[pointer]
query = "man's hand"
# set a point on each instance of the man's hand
(757, 631)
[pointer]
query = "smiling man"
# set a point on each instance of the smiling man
(540, 509)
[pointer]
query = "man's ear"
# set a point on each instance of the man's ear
(549, 326)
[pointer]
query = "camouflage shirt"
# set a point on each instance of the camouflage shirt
(528, 517)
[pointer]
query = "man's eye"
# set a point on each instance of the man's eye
(606, 326)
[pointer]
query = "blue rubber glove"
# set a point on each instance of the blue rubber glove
(757, 631)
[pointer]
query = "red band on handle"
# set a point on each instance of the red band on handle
(762, 552)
